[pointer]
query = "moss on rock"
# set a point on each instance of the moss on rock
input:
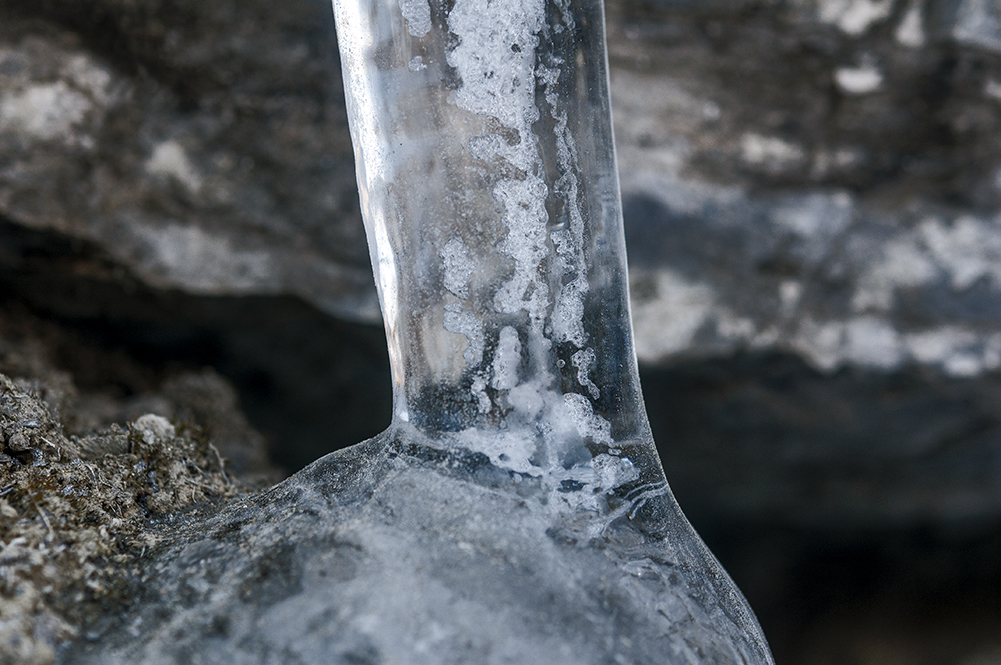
(74, 513)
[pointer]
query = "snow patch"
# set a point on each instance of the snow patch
(866, 341)
(202, 263)
(854, 17)
(418, 16)
(904, 265)
(666, 323)
(769, 150)
(872, 342)
(978, 23)
(859, 80)
(992, 89)
(910, 32)
(170, 160)
(45, 111)
(968, 250)
(815, 216)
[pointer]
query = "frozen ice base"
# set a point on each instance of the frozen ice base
(395, 551)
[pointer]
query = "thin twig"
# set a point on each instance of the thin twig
(52, 534)
(222, 468)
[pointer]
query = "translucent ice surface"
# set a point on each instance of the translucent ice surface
(486, 167)
(515, 512)
(490, 196)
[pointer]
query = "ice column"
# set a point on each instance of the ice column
(486, 170)
(487, 173)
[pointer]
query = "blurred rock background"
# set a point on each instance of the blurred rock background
(812, 194)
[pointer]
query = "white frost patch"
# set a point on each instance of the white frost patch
(903, 265)
(463, 322)
(667, 323)
(202, 263)
(859, 80)
(507, 357)
(44, 111)
(769, 150)
(819, 216)
(910, 32)
(494, 81)
(418, 16)
(506, 449)
(588, 424)
(992, 89)
(495, 58)
(479, 390)
(968, 250)
(854, 17)
(527, 399)
(978, 23)
(416, 64)
(525, 215)
(170, 160)
(866, 341)
(790, 293)
(583, 360)
(611, 472)
(458, 266)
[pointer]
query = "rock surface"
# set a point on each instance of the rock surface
(73, 514)
(818, 178)
(76, 489)
(811, 193)
(812, 205)
(203, 145)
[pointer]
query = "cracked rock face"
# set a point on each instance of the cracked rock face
(202, 145)
(821, 178)
(816, 176)
(816, 181)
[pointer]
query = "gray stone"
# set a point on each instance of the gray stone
(816, 181)
(203, 146)
(978, 23)
(811, 218)
(811, 194)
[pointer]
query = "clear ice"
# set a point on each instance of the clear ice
(515, 511)
(491, 201)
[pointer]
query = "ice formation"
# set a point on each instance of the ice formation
(516, 509)
(470, 169)
(487, 173)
